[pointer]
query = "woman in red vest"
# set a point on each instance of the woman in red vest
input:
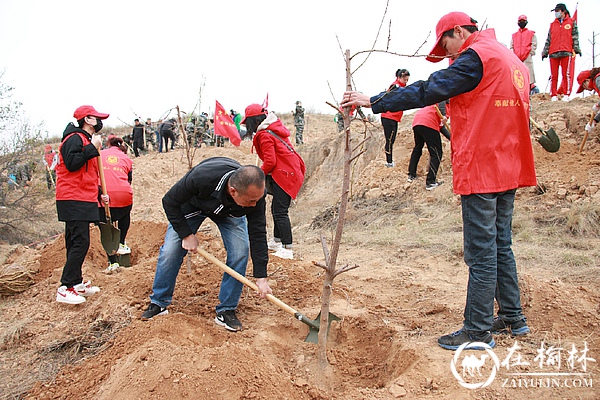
(284, 171)
(389, 120)
(561, 45)
(118, 168)
(77, 198)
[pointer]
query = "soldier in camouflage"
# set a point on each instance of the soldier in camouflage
(299, 122)
(150, 134)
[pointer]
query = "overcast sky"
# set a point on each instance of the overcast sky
(131, 57)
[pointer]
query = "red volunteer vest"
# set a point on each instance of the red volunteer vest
(394, 115)
(116, 166)
(491, 143)
(561, 36)
(427, 116)
(80, 185)
(49, 157)
(522, 43)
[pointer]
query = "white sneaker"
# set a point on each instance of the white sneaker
(273, 245)
(565, 98)
(69, 296)
(123, 249)
(113, 267)
(284, 253)
(86, 289)
(553, 98)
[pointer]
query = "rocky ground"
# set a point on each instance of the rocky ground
(409, 289)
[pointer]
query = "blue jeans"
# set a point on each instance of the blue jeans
(234, 231)
(487, 221)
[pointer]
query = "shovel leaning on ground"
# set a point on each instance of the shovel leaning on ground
(548, 139)
(313, 334)
(110, 235)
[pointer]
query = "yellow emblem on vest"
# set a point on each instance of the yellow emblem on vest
(112, 160)
(567, 26)
(518, 78)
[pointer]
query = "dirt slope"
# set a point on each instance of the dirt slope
(408, 290)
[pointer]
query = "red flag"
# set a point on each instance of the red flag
(265, 103)
(224, 125)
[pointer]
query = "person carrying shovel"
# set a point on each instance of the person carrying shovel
(233, 197)
(50, 161)
(77, 198)
(118, 174)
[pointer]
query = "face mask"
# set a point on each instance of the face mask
(98, 125)
(522, 24)
(557, 14)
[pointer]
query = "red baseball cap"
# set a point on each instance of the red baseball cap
(447, 22)
(84, 111)
(583, 75)
(522, 18)
(252, 111)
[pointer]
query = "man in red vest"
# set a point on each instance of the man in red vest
(77, 198)
(561, 45)
(488, 86)
(524, 43)
(50, 161)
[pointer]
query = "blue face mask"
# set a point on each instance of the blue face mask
(557, 14)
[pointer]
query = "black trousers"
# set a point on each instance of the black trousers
(390, 128)
(279, 208)
(424, 135)
(77, 243)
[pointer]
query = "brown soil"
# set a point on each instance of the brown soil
(408, 290)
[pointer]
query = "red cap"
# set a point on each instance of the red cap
(447, 22)
(252, 111)
(84, 111)
(522, 18)
(583, 75)
(48, 147)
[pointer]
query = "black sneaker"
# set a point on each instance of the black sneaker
(431, 186)
(454, 340)
(411, 178)
(517, 328)
(154, 310)
(228, 320)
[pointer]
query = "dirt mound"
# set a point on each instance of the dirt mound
(407, 291)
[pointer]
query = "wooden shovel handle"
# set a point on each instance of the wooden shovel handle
(585, 136)
(442, 117)
(103, 185)
(246, 281)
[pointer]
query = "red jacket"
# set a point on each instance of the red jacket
(117, 166)
(561, 36)
(79, 185)
(429, 117)
(280, 160)
(522, 43)
(394, 115)
(491, 143)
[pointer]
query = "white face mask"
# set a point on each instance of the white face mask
(557, 14)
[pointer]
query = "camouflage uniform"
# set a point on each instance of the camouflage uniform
(299, 122)
(339, 118)
(150, 134)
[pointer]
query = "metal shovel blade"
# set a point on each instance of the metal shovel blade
(313, 333)
(549, 140)
(110, 236)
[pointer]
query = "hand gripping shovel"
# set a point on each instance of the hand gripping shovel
(549, 139)
(313, 334)
(110, 235)
(585, 136)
